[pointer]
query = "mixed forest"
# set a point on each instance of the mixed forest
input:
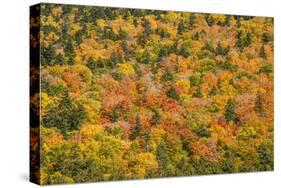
(134, 94)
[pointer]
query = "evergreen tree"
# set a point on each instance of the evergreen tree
(156, 116)
(163, 52)
(195, 80)
(167, 77)
(259, 104)
(172, 93)
(66, 117)
(69, 50)
(214, 91)
(222, 51)
(147, 27)
(266, 37)
(91, 64)
(198, 93)
(59, 59)
(122, 34)
(262, 53)
(229, 113)
(163, 157)
(248, 40)
(47, 55)
(192, 19)
(137, 129)
(266, 156)
(181, 27)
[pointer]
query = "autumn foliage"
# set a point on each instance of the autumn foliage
(133, 94)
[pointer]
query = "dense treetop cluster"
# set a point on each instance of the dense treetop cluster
(133, 94)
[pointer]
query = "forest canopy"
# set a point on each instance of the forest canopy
(133, 94)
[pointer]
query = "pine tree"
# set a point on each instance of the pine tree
(91, 64)
(147, 28)
(221, 50)
(214, 91)
(259, 104)
(181, 27)
(248, 40)
(146, 57)
(229, 113)
(137, 129)
(172, 93)
(59, 59)
(47, 55)
(198, 93)
(262, 53)
(163, 157)
(122, 34)
(69, 50)
(164, 51)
